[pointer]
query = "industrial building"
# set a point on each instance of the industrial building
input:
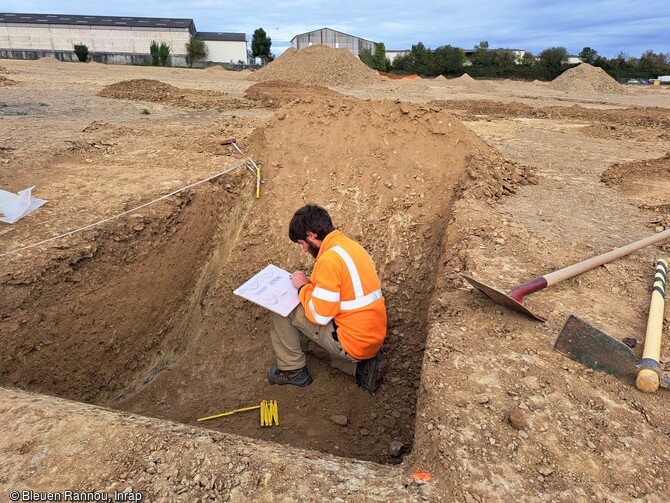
(334, 39)
(110, 39)
(225, 47)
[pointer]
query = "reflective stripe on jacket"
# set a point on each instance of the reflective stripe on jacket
(345, 287)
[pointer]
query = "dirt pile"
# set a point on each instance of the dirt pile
(215, 69)
(463, 80)
(318, 65)
(650, 171)
(4, 81)
(440, 78)
(275, 93)
(586, 78)
(50, 61)
(472, 85)
(647, 184)
(166, 94)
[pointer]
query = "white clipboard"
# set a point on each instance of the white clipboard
(272, 289)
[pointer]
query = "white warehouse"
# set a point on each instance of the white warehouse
(224, 47)
(110, 39)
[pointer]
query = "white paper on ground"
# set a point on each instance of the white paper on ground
(16, 206)
(271, 288)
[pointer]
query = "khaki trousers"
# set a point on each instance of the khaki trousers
(285, 335)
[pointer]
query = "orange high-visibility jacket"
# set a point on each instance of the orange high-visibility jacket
(345, 287)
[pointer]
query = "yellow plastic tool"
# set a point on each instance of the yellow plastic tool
(243, 409)
(269, 413)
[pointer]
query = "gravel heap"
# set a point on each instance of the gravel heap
(317, 65)
(587, 78)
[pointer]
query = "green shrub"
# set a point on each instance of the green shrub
(153, 49)
(196, 49)
(163, 53)
(81, 50)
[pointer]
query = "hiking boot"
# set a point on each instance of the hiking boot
(369, 373)
(299, 377)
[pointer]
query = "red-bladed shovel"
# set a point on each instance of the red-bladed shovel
(514, 298)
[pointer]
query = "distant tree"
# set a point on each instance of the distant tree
(552, 62)
(163, 53)
(651, 64)
(376, 61)
(402, 63)
(380, 57)
(153, 50)
(365, 55)
(503, 62)
(196, 49)
(481, 50)
(421, 59)
(447, 60)
(528, 60)
(260, 45)
(81, 50)
(588, 55)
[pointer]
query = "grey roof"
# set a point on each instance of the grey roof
(152, 22)
(225, 37)
(330, 29)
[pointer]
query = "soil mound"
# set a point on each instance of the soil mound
(472, 85)
(646, 182)
(50, 61)
(587, 78)
(318, 65)
(480, 87)
(275, 93)
(440, 78)
(4, 81)
(463, 80)
(160, 92)
(215, 68)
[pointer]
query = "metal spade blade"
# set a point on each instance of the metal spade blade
(595, 349)
(503, 299)
(514, 298)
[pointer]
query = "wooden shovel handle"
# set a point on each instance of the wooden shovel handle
(586, 265)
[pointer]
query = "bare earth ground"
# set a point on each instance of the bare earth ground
(505, 182)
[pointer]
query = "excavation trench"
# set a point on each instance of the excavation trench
(140, 315)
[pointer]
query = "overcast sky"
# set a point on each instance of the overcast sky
(608, 26)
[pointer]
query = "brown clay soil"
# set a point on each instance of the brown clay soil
(117, 338)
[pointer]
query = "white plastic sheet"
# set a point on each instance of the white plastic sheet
(16, 206)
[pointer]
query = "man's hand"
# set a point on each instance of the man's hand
(299, 278)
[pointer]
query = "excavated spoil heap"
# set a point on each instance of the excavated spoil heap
(318, 65)
(587, 78)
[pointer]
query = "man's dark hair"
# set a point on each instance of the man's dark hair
(310, 218)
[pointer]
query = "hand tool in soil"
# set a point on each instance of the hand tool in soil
(514, 298)
(269, 413)
(650, 376)
(233, 142)
(595, 349)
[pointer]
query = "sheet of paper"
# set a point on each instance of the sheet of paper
(16, 206)
(271, 288)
